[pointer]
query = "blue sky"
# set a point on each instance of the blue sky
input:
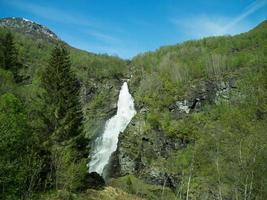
(128, 27)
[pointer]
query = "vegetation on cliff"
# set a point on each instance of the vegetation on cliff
(223, 137)
(200, 131)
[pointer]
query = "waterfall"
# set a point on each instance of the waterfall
(106, 144)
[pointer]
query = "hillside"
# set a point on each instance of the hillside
(202, 118)
(199, 131)
(97, 74)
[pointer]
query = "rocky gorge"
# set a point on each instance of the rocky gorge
(138, 150)
(199, 128)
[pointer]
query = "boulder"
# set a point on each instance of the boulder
(95, 181)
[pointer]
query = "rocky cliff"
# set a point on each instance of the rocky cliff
(29, 28)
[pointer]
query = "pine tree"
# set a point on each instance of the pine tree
(10, 52)
(11, 55)
(62, 96)
(2, 57)
(66, 164)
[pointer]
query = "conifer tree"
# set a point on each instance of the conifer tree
(10, 55)
(62, 97)
(66, 163)
(10, 52)
(2, 57)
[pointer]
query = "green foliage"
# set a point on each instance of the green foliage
(227, 145)
(227, 157)
(64, 119)
(69, 174)
(42, 145)
(62, 96)
(18, 162)
(2, 56)
(41, 112)
(10, 52)
(6, 81)
(9, 55)
(135, 186)
(97, 66)
(171, 69)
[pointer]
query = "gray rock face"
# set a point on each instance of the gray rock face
(28, 27)
(207, 92)
(155, 176)
(99, 100)
(144, 110)
(180, 106)
(136, 150)
(95, 181)
(223, 91)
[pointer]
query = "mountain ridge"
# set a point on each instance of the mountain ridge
(199, 105)
(34, 29)
(28, 27)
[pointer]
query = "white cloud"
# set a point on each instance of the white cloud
(53, 14)
(104, 37)
(200, 26)
(256, 5)
(83, 24)
(203, 25)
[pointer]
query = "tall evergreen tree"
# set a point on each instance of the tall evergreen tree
(62, 96)
(10, 56)
(2, 56)
(66, 163)
(10, 52)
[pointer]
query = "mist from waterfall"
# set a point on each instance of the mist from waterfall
(106, 144)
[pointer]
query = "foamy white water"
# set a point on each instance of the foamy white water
(106, 144)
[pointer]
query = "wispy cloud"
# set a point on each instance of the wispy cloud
(256, 5)
(104, 37)
(90, 27)
(206, 25)
(52, 14)
(200, 26)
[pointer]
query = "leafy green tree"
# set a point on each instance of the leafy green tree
(18, 164)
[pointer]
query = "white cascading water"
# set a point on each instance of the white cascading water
(106, 144)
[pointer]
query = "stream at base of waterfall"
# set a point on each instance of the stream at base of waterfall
(106, 144)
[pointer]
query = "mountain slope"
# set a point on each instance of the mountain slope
(35, 42)
(97, 74)
(200, 130)
(28, 27)
(200, 105)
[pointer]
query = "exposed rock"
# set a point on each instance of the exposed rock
(157, 177)
(183, 106)
(99, 98)
(144, 110)
(136, 150)
(195, 103)
(28, 27)
(95, 181)
(224, 91)
(88, 93)
(207, 92)
(112, 109)
(180, 108)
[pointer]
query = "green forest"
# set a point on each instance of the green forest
(55, 99)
